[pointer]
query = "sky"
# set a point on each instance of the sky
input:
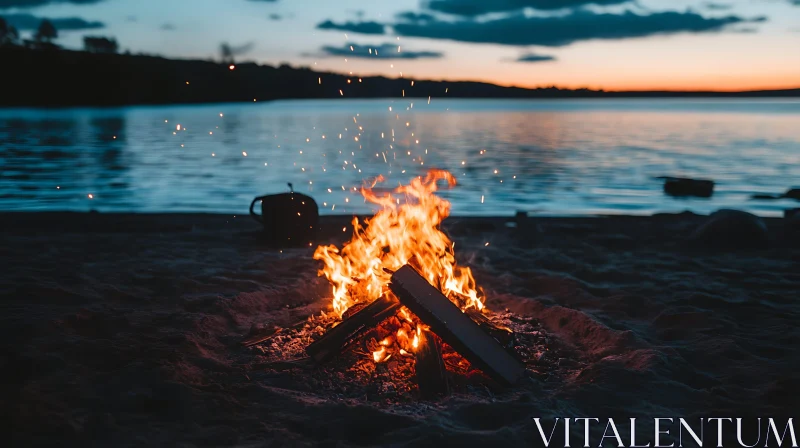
(608, 44)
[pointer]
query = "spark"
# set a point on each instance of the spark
(244, 154)
(481, 199)
(91, 196)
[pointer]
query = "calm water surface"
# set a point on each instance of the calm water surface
(549, 157)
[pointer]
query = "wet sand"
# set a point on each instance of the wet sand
(124, 330)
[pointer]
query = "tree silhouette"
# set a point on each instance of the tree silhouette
(46, 32)
(8, 34)
(228, 52)
(99, 44)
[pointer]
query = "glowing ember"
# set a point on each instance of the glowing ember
(401, 232)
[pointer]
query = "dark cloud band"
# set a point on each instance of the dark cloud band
(34, 3)
(556, 31)
(384, 51)
(355, 27)
(24, 22)
(471, 8)
(535, 58)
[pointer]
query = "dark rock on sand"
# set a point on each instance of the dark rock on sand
(791, 225)
(793, 193)
(731, 229)
(766, 196)
(680, 186)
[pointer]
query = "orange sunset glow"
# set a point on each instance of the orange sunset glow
(606, 44)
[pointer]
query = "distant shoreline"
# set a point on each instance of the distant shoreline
(64, 78)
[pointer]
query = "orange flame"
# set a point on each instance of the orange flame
(396, 235)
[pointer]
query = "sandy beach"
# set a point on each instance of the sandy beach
(124, 330)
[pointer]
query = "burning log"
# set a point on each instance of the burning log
(454, 327)
(431, 374)
(339, 337)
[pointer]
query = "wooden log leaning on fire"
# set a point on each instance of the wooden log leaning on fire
(335, 340)
(454, 327)
(431, 373)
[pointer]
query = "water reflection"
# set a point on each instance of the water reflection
(555, 157)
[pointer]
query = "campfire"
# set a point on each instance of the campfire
(398, 296)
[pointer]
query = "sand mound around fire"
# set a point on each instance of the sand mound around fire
(133, 339)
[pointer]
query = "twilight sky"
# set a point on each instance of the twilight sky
(611, 44)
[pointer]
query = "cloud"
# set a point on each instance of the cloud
(718, 6)
(167, 27)
(275, 17)
(35, 3)
(471, 8)
(555, 31)
(530, 57)
(412, 16)
(383, 51)
(30, 22)
(264, 1)
(356, 27)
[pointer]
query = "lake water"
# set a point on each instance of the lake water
(560, 157)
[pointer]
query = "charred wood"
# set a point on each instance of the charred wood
(335, 340)
(454, 327)
(431, 374)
